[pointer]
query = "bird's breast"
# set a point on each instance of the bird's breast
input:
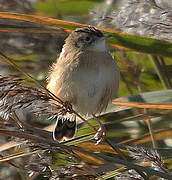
(87, 81)
(94, 85)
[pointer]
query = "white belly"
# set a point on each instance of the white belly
(91, 86)
(88, 83)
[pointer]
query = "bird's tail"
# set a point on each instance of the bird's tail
(65, 127)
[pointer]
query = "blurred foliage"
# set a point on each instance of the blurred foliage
(65, 7)
(32, 43)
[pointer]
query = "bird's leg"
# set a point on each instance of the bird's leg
(68, 107)
(101, 133)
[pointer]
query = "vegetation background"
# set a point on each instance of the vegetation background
(31, 40)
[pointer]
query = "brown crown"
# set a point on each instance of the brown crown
(90, 29)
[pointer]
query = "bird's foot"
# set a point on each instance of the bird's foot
(68, 107)
(101, 133)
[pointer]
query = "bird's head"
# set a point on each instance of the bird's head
(87, 38)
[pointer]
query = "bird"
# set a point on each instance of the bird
(85, 75)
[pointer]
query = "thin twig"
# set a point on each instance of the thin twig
(151, 131)
(143, 105)
(10, 61)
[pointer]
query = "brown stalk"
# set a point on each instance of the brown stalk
(143, 105)
(36, 31)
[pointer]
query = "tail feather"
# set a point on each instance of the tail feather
(65, 127)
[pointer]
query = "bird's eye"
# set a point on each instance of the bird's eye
(88, 39)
